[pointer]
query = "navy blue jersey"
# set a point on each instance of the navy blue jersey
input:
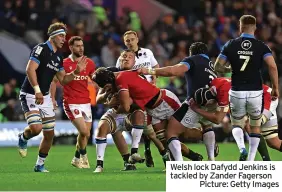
(49, 64)
(200, 73)
(114, 69)
(246, 56)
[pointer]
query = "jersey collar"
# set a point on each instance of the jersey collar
(136, 52)
(49, 45)
(205, 56)
(246, 35)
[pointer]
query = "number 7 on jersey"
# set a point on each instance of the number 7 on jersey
(246, 58)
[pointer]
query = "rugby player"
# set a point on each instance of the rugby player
(76, 100)
(44, 63)
(246, 56)
(198, 71)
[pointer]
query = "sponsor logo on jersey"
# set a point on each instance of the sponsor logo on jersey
(78, 78)
(53, 65)
(246, 44)
(145, 64)
(32, 106)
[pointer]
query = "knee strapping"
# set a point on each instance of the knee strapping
(100, 140)
(33, 119)
(238, 122)
(48, 125)
(255, 121)
(161, 135)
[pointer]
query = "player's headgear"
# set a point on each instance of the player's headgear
(102, 77)
(202, 96)
(198, 48)
(56, 29)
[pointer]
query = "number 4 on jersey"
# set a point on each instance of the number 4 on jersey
(247, 59)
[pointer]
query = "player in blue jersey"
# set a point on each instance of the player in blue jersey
(246, 56)
(44, 63)
(198, 71)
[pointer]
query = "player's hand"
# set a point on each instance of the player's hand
(154, 80)
(81, 65)
(192, 104)
(39, 98)
(143, 71)
(55, 105)
(114, 101)
(274, 94)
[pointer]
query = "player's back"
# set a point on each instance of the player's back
(140, 90)
(246, 56)
(76, 91)
(221, 87)
(200, 72)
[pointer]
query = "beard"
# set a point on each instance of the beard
(77, 54)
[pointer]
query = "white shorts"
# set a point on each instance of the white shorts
(117, 122)
(270, 128)
(74, 111)
(28, 104)
(169, 104)
(245, 103)
(189, 118)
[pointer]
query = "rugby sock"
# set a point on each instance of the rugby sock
(101, 144)
(23, 137)
(147, 142)
(253, 145)
(126, 157)
(41, 158)
(238, 135)
(136, 132)
(77, 154)
(262, 149)
(100, 163)
(175, 148)
(82, 151)
(209, 140)
(163, 152)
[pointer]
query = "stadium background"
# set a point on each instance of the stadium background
(166, 27)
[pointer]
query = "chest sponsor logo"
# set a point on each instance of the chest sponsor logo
(53, 66)
(246, 45)
(145, 64)
(79, 78)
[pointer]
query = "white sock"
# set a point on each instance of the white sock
(101, 144)
(136, 133)
(175, 148)
(40, 159)
(253, 146)
(238, 135)
(209, 140)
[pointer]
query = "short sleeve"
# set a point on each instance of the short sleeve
(122, 82)
(92, 68)
(224, 51)
(36, 54)
(188, 62)
(153, 60)
(266, 51)
(222, 97)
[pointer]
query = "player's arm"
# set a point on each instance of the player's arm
(102, 95)
(214, 117)
(53, 88)
(125, 101)
(221, 64)
(273, 74)
(64, 78)
(32, 65)
(176, 70)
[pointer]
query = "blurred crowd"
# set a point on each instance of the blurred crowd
(213, 22)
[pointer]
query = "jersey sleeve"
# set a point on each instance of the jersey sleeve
(92, 68)
(36, 54)
(266, 51)
(266, 97)
(122, 82)
(224, 51)
(188, 62)
(223, 99)
(154, 62)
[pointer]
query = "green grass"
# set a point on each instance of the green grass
(17, 173)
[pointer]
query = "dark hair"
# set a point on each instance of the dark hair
(248, 20)
(198, 48)
(102, 77)
(202, 96)
(73, 39)
(127, 51)
(56, 26)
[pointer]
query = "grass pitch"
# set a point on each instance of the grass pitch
(17, 174)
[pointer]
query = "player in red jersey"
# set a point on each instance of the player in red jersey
(219, 89)
(76, 100)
